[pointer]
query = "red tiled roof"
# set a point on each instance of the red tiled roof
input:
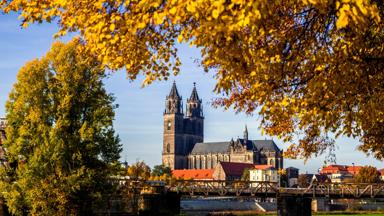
(381, 171)
(354, 169)
(340, 168)
(235, 169)
(263, 167)
(193, 174)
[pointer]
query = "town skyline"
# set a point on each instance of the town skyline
(139, 117)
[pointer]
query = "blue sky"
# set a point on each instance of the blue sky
(139, 116)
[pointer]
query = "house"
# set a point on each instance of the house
(353, 170)
(230, 170)
(264, 173)
(340, 173)
(195, 174)
(339, 178)
(292, 176)
(381, 171)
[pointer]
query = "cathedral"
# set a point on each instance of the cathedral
(184, 146)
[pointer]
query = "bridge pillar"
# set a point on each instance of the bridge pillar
(293, 206)
(159, 204)
(321, 204)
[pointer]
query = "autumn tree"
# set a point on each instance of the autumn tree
(160, 170)
(367, 174)
(307, 67)
(303, 181)
(139, 170)
(61, 145)
(246, 175)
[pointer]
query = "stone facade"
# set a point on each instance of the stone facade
(181, 132)
(183, 146)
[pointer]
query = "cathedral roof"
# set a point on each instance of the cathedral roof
(224, 147)
(174, 93)
(211, 147)
(268, 145)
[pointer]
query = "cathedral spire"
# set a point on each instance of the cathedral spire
(194, 95)
(245, 134)
(194, 107)
(174, 93)
(173, 102)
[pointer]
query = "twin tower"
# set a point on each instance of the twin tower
(181, 131)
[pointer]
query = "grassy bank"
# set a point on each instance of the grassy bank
(337, 213)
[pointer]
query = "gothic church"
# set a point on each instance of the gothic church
(184, 146)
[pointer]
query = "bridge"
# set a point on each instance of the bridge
(290, 201)
(271, 189)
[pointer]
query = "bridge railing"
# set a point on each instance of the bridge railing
(222, 187)
(347, 190)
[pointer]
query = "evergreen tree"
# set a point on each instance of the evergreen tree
(61, 144)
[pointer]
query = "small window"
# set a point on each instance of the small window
(168, 148)
(169, 124)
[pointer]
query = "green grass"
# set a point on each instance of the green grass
(337, 213)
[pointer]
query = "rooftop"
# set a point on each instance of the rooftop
(193, 174)
(223, 147)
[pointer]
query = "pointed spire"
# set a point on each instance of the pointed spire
(194, 106)
(174, 93)
(245, 134)
(194, 95)
(173, 102)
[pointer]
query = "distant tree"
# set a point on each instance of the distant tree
(160, 170)
(302, 181)
(367, 174)
(245, 175)
(139, 170)
(60, 138)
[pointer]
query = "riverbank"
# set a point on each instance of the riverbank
(336, 213)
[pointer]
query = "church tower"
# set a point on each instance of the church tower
(194, 120)
(245, 135)
(173, 135)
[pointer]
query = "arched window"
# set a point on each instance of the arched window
(168, 148)
(209, 162)
(271, 162)
(169, 124)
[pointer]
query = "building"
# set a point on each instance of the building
(184, 146)
(340, 173)
(181, 132)
(381, 171)
(292, 176)
(340, 169)
(264, 173)
(230, 170)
